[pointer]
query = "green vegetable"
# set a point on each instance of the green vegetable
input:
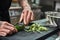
(36, 28)
(32, 28)
(43, 29)
(19, 28)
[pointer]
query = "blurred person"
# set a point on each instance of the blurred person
(6, 28)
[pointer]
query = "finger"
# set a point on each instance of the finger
(9, 24)
(6, 31)
(32, 16)
(12, 27)
(9, 27)
(6, 23)
(29, 17)
(21, 18)
(3, 34)
(25, 17)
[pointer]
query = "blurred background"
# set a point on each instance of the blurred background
(39, 8)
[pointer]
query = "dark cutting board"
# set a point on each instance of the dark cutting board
(22, 35)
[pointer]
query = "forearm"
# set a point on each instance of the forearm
(24, 4)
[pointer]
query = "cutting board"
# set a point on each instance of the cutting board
(22, 35)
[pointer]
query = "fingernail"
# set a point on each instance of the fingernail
(12, 28)
(3, 34)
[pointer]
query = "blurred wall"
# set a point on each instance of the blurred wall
(46, 2)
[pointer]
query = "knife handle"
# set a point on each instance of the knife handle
(30, 23)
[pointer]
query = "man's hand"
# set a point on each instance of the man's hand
(27, 16)
(6, 28)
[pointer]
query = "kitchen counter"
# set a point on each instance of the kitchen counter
(22, 35)
(53, 37)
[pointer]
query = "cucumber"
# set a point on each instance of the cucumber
(19, 28)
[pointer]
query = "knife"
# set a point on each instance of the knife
(21, 23)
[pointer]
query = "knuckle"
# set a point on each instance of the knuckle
(12, 28)
(4, 23)
(8, 31)
(28, 18)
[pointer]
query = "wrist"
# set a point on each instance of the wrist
(27, 7)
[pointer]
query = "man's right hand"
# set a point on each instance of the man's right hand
(6, 28)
